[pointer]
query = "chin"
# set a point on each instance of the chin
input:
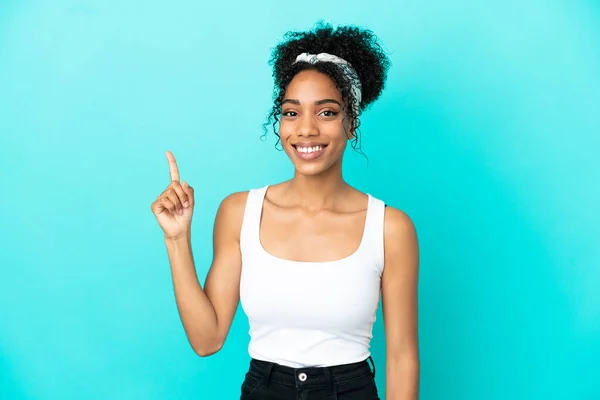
(310, 170)
(315, 168)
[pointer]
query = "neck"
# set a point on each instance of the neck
(316, 192)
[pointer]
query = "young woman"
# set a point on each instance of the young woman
(308, 257)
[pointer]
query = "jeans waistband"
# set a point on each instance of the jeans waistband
(310, 376)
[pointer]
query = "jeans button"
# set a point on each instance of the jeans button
(302, 376)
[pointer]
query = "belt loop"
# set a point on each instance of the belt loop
(372, 363)
(329, 377)
(267, 377)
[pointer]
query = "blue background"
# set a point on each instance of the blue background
(487, 135)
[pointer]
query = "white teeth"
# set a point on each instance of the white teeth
(309, 149)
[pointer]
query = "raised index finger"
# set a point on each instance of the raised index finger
(173, 167)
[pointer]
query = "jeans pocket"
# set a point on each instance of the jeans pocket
(249, 387)
(359, 388)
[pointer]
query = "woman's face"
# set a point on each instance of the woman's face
(313, 125)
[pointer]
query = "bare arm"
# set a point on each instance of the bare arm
(399, 292)
(207, 314)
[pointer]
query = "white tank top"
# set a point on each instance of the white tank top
(305, 314)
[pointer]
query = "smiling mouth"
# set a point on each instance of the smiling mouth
(309, 152)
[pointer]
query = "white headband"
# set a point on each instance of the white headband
(347, 69)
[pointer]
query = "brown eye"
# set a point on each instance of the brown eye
(329, 113)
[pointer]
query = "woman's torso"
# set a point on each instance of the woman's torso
(305, 307)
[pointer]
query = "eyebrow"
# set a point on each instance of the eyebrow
(318, 102)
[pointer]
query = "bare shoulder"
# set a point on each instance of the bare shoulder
(234, 202)
(231, 213)
(401, 248)
(398, 225)
(400, 241)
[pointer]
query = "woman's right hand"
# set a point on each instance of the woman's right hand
(174, 207)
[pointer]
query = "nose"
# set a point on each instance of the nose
(307, 126)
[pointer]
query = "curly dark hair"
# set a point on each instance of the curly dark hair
(357, 46)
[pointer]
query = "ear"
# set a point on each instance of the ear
(352, 129)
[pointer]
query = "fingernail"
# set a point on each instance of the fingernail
(186, 204)
(180, 212)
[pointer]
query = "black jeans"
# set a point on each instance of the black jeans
(269, 381)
